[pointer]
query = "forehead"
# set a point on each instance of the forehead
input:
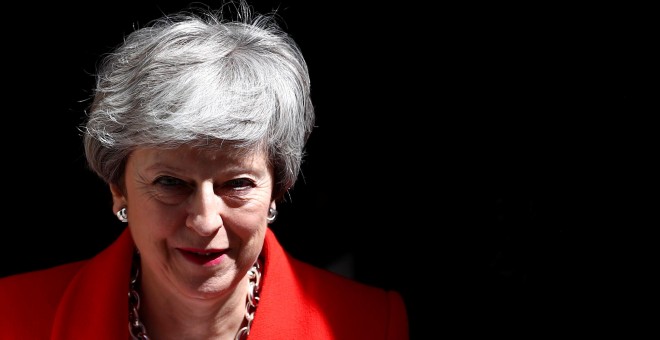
(197, 155)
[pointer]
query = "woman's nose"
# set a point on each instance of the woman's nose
(204, 211)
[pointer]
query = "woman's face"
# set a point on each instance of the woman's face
(198, 217)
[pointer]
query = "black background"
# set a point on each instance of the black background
(476, 158)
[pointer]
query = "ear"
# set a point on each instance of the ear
(273, 205)
(118, 198)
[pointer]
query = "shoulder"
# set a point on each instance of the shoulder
(303, 280)
(337, 288)
(30, 299)
(351, 304)
(43, 282)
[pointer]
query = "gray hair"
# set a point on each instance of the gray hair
(197, 78)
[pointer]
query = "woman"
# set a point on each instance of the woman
(198, 126)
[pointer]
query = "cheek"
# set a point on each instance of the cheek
(152, 222)
(249, 234)
(251, 212)
(247, 222)
(244, 223)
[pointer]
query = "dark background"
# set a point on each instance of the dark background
(478, 159)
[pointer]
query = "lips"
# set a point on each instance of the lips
(203, 257)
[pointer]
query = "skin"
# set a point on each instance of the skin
(186, 199)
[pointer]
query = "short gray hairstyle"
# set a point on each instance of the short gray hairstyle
(198, 78)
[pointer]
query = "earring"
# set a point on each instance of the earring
(121, 215)
(272, 214)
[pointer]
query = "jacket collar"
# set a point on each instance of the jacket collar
(95, 304)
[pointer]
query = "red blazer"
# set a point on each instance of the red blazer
(89, 300)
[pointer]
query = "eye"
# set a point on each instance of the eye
(240, 184)
(168, 181)
(170, 190)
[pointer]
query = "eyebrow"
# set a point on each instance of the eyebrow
(230, 168)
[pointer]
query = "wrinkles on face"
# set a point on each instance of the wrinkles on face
(182, 199)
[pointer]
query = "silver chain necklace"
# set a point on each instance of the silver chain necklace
(138, 330)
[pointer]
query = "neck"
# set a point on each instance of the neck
(167, 314)
(176, 318)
